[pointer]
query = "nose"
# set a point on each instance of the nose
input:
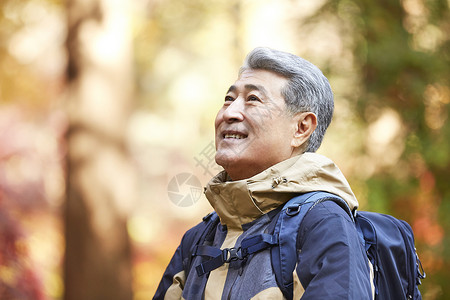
(234, 112)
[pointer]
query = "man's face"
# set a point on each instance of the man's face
(253, 129)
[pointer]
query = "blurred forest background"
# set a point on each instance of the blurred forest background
(103, 102)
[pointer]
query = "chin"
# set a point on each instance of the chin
(223, 160)
(227, 160)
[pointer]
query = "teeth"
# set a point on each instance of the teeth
(234, 136)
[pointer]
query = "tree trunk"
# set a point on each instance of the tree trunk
(99, 173)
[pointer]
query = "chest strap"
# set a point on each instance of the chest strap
(218, 257)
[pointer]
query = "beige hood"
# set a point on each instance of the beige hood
(240, 202)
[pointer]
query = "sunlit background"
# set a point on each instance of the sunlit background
(104, 102)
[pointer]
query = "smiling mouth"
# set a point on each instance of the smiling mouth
(234, 136)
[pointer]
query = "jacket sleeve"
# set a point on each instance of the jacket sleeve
(332, 263)
(173, 279)
(172, 283)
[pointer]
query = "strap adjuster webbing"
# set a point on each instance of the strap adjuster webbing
(219, 257)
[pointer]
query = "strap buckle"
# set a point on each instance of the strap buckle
(293, 210)
(230, 254)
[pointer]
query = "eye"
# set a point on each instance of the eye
(229, 98)
(253, 98)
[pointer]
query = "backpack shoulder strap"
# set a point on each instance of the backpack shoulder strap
(284, 257)
(197, 236)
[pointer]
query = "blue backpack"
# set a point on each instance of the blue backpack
(389, 244)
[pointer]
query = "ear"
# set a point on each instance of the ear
(305, 124)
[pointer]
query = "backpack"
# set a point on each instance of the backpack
(388, 242)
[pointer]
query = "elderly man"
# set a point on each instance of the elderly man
(272, 121)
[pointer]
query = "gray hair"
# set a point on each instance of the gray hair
(307, 90)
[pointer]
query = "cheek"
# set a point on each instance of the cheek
(278, 136)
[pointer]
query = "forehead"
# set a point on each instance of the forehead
(265, 81)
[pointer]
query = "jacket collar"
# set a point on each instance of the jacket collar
(240, 202)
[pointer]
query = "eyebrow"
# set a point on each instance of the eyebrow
(251, 87)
